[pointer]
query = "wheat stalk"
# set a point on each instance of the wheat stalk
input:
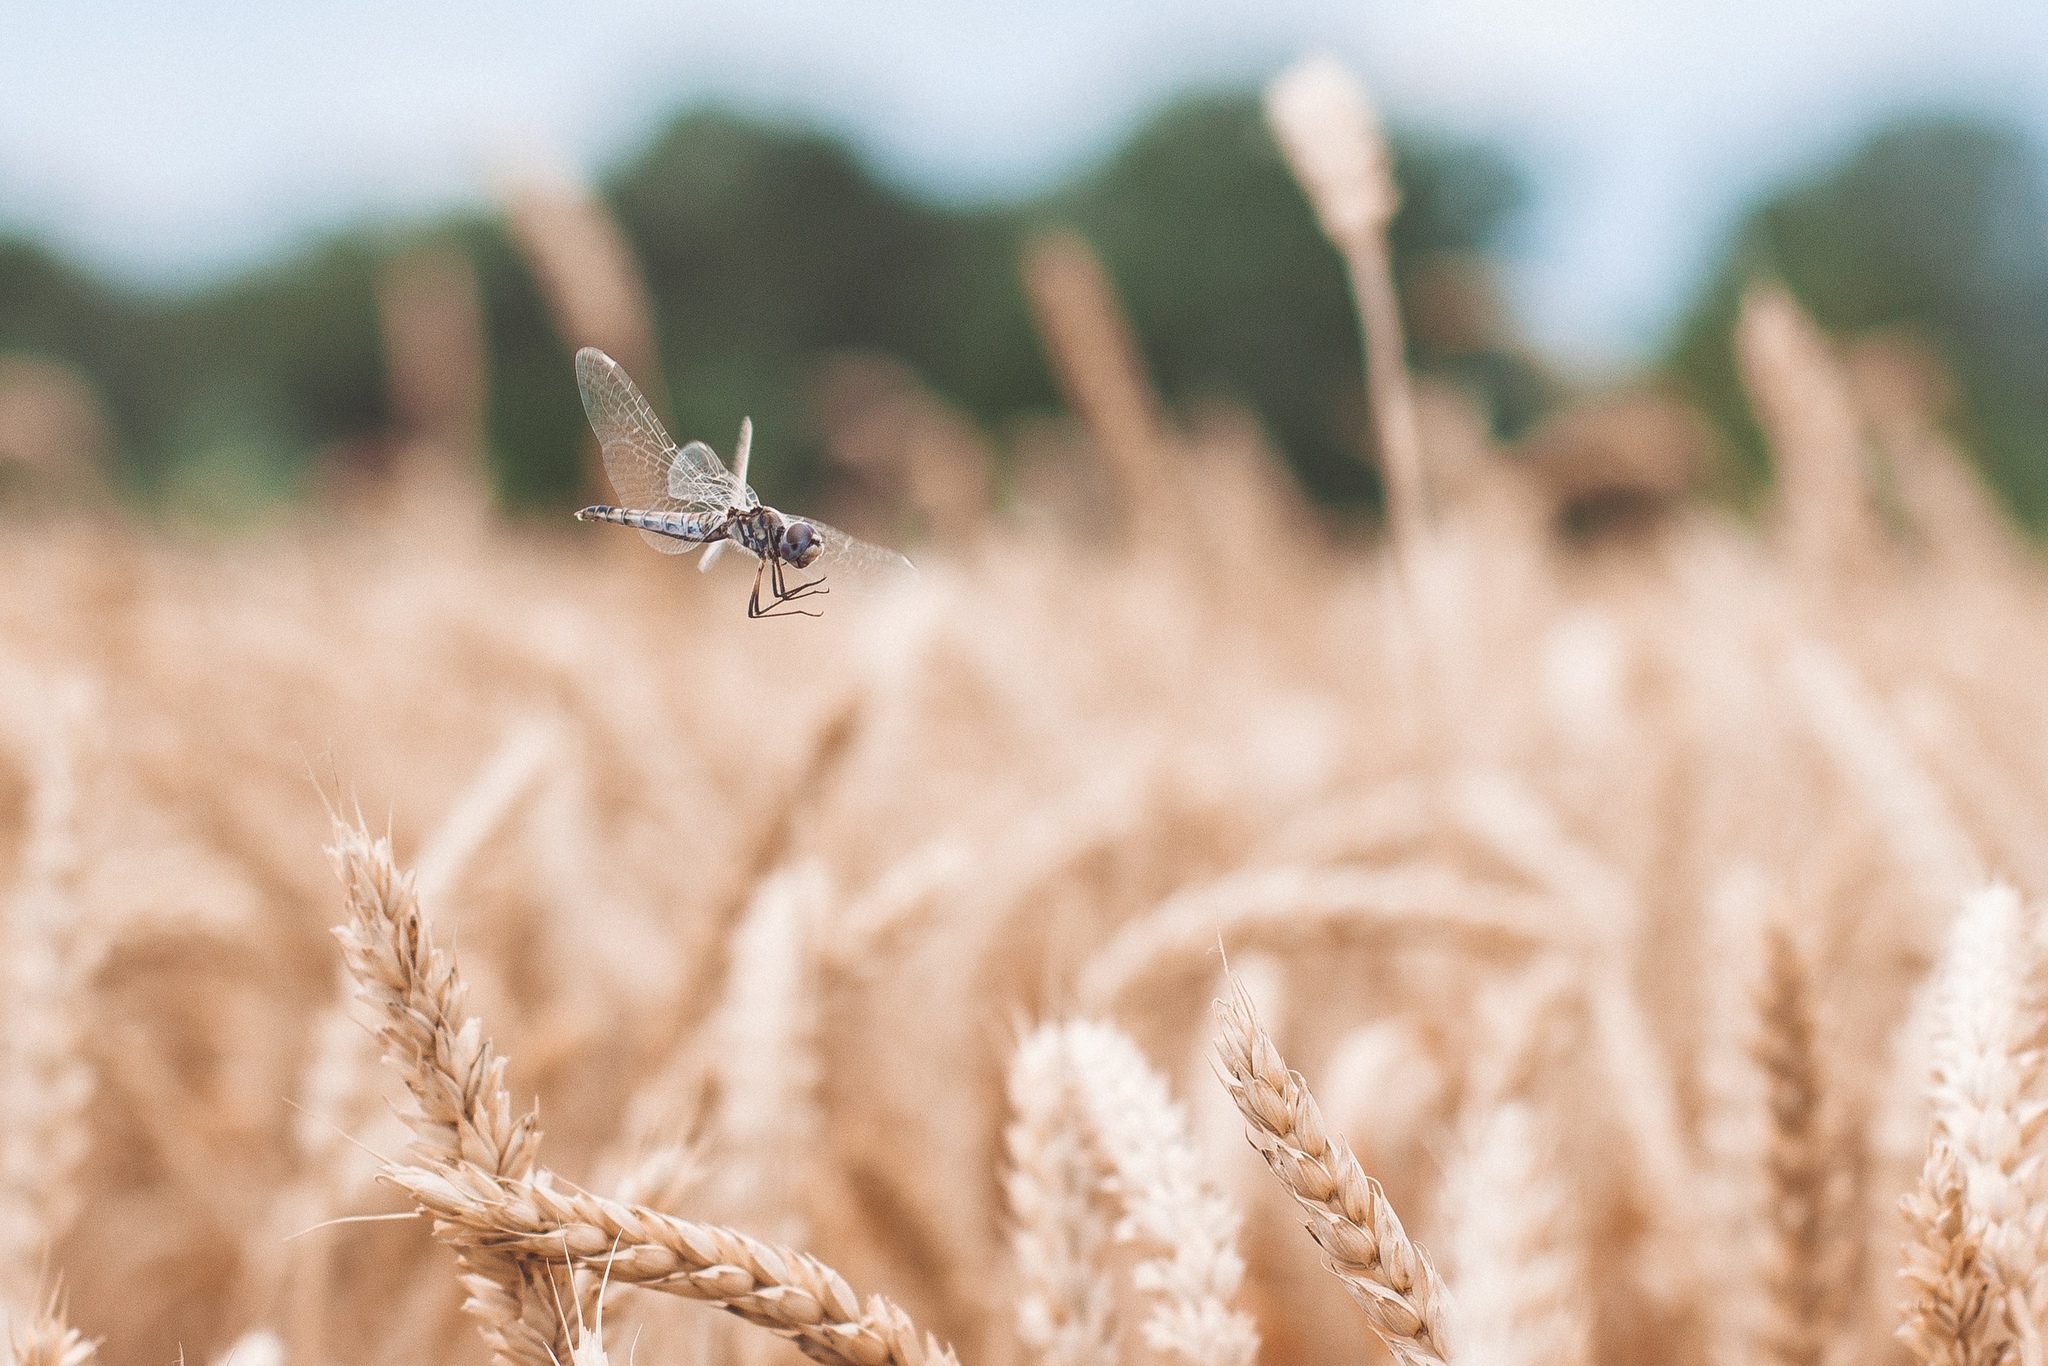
(1803, 401)
(1310, 905)
(529, 746)
(1847, 717)
(1389, 1276)
(1099, 367)
(1326, 125)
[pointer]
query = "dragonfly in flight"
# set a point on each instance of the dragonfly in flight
(680, 498)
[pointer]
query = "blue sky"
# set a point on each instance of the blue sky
(168, 143)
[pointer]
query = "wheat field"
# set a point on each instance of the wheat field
(1169, 930)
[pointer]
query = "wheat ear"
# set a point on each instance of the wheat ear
(476, 1173)
(777, 1287)
(765, 1054)
(47, 1339)
(430, 312)
(1326, 126)
(1804, 1270)
(1151, 1167)
(463, 1117)
(45, 1067)
(1348, 1214)
(1060, 1235)
(1952, 1317)
(589, 276)
(1515, 1249)
(1987, 1107)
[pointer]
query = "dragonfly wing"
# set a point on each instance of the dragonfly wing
(637, 452)
(850, 558)
(644, 464)
(698, 478)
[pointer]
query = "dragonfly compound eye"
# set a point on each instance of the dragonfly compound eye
(800, 544)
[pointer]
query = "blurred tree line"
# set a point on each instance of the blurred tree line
(767, 248)
(1937, 224)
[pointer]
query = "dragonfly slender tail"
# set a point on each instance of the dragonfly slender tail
(679, 525)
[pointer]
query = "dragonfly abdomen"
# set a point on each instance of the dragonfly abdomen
(683, 526)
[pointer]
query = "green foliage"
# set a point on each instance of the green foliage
(1934, 223)
(1231, 286)
(126, 344)
(766, 248)
(536, 421)
(266, 368)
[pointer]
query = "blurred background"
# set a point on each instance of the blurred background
(244, 251)
(1511, 808)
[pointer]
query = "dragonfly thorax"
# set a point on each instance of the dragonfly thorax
(769, 535)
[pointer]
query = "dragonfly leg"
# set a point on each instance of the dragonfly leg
(784, 593)
(777, 597)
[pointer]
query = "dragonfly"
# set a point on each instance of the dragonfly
(680, 498)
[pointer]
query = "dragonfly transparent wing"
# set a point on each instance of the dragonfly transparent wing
(646, 467)
(850, 559)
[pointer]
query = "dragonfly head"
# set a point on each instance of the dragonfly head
(800, 544)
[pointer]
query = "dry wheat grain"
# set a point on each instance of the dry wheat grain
(1806, 1265)
(1348, 1215)
(1516, 1257)
(1066, 1302)
(1988, 1107)
(775, 1287)
(1152, 1170)
(1954, 1317)
(462, 1115)
(42, 1337)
